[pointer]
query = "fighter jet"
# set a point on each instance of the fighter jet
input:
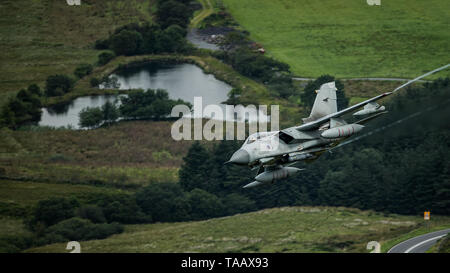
(273, 153)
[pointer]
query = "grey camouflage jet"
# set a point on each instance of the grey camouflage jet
(273, 153)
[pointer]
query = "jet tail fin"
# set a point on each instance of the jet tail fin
(325, 103)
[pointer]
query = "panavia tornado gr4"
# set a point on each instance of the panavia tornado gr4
(273, 153)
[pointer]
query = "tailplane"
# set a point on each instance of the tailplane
(325, 103)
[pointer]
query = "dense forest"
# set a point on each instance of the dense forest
(402, 166)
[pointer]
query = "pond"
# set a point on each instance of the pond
(67, 114)
(182, 81)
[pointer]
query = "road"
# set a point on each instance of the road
(419, 244)
(206, 11)
(363, 79)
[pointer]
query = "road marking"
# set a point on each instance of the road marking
(423, 242)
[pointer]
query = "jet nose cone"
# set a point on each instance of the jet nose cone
(240, 157)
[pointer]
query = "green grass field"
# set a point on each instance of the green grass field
(287, 229)
(44, 37)
(348, 39)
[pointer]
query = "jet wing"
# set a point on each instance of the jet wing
(317, 123)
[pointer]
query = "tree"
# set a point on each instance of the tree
(127, 43)
(204, 205)
(77, 229)
(148, 104)
(53, 210)
(158, 201)
(91, 117)
(95, 82)
(105, 57)
(83, 70)
(172, 39)
(92, 213)
(194, 171)
(7, 117)
(237, 203)
(110, 112)
(34, 89)
(58, 85)
(120, 208)
(173, 13)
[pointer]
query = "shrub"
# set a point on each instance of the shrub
(58, 85)
(52, 210)
(204, 205)
(173, 13)
(126, 43)
(90, 117)
(237, 203)
(34, 89)
(105, 57)
(95, 82)
(101, 44)
(77, 229)
(83, 70)
(158, 200)
(15, 243)
(120, 208)
(92, 213)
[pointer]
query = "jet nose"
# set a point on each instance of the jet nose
(240, 157)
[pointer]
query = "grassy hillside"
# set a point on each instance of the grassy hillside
(45, 37)
(127, 154)
(400, 38)
(287, 229)
(17, 197)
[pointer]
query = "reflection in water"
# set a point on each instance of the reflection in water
(182, 81)
(67, 114)
(61, 108)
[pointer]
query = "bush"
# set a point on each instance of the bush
(101, 44)
(120, 208)
(15, 243)
(148, 104)
(173, 13)
(34, 89)
(133, 39)
(105, 57)
(58, 85)
(110, 112)
(77, 229)
(52, 210)
(236, 203)
(83, 70)
(205, 205)
(127, 43)
(90, 117)
(164, 202)
(92, 213)
(94, 82)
